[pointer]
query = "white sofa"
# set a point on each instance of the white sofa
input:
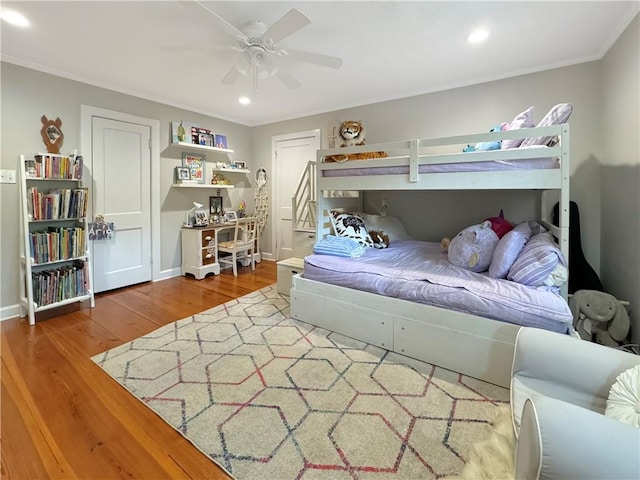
(559, 389)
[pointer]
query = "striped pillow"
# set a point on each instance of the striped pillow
(556, 116)
(508, 250)
(538, 259)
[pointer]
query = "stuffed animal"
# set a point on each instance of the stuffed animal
(352, 133)
(599, 316)
(485, 146)
(473, 247)
(380, 238)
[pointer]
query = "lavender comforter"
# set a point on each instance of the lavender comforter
(420, 272)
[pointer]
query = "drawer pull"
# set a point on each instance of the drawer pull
(208, 238)
(208, 255)
(294, 272)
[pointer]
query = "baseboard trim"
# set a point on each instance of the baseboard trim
(7, 313)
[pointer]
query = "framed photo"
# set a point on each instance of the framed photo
(241, 165)
(182, 135)
(202, 218)
(195, 163)
(183, 175)
(215, 206)
(220, 140)
(231, 216)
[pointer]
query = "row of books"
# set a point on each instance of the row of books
(57, 243)
(59, 203)
(51, 286)
(204, 136)
(55, 167)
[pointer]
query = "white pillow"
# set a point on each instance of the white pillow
(557, 115)
(392, 226)
(522, 120)
(623, 403)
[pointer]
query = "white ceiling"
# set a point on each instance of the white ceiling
(389, 49)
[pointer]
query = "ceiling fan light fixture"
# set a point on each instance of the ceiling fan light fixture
(244, 101)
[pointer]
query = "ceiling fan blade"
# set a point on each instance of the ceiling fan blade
(289, 23)
(288, 79)
(232, 76)
(230, 29)
(315, 58)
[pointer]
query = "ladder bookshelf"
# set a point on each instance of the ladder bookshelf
(55, 267)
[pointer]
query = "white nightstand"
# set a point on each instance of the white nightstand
(286, 270)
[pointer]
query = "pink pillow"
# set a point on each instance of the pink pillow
(522, 120)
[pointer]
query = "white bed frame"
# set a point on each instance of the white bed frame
(468, 344)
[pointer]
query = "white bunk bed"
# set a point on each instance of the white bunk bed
(468, 344)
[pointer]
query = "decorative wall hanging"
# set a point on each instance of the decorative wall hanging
(52, 135)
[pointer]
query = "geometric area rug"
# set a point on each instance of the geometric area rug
(269, 397)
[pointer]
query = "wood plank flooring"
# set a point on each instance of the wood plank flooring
(62, 417)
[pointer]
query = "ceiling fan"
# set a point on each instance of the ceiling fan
(259, 54)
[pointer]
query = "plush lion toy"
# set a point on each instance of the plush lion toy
(352, 135)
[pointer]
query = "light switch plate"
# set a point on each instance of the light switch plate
(7, 176)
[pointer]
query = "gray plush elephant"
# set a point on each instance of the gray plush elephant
(600, 316)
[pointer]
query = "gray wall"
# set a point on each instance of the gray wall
(620, 172)
(28, 94)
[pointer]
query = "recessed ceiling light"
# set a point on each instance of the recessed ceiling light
(478, 36)
(244, 100)
(13, 17)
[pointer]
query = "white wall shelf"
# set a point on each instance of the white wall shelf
(195, 146)
(232, 170)
(200, 185)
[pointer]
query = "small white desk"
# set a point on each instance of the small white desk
(200, 249)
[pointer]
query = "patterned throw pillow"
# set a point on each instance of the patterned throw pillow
(351, 226)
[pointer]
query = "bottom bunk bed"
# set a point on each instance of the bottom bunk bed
(405, 299)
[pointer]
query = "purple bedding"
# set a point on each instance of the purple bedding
(420, 272)
(359, 168)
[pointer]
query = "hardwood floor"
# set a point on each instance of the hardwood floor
(63, 417)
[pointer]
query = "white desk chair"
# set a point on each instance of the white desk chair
(244, 239)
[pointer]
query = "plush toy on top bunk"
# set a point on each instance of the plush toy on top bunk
(351, 135)
(473, 247)
(486, 146)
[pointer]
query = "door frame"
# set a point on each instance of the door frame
(87, 112)
(316, 133)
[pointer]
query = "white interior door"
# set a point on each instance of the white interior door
(292, 153)
(121, 171)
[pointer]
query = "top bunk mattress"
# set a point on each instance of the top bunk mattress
(360, 167)
(420, 272)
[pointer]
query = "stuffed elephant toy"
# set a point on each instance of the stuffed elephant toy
(600, 316)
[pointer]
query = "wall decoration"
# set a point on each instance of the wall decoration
(100, 230)
(183, 175)
(176, 132)
(241, 165)
(52, 135)
(195, 163)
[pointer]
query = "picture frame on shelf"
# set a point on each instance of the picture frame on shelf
(220, 141)
(240, 165)
(201, 218)
(195, 163)
(183, 175)
(230, 216)
(187, 126)
(215, 206)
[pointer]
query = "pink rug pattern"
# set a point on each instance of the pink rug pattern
(268, 397)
